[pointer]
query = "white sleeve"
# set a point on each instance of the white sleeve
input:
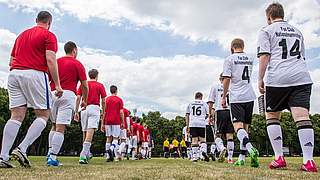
(206, 107)
(212, 95)
(227, 67)
(188, 109)
(264, 46)
(302, 53)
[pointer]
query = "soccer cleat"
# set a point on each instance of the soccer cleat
(254, 157)
(83, 160)
(222, 155)
(213, 157)
(278, 163)
(310, 166)
(5, 164)
(239, 163)
(89, 156)
(230, 161)
(52, 162)
(21, 158)
(205, 156)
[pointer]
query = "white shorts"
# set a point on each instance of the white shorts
(63, 108)
(145, 144)
(113, 130)
(134, 141)
(90, 117)
(123, 134)
(29, 87)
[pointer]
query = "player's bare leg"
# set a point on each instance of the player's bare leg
(245, 145)
(10, 132)
(306, 137)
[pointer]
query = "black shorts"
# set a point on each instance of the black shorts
(209, 133)
(224, 123)
(166, 149)
(197, 132)
(280, 98)
(242, 112)
(175, 149)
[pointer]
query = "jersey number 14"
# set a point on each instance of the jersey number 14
(294, 51)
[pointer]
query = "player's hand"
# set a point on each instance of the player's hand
(59, 91)
(121, 126)
(102, 128)
(261, 86)
(128, 131)
(76, 117)
(223, 102)
(84, 105)
(188, 130)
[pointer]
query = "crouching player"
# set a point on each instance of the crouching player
(196, 114)
(113, 123)
(91, 115)
(70, 72)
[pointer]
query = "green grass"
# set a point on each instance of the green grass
(157, 168)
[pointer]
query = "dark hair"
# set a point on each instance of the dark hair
(93, 73)
(237, 43)
(275, 10)
(198, 95)
(44, 17)
(113, 89)
(69, 47)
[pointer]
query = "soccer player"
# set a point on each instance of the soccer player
(196, 114)
(287, 84)
(183, 147)
(90, 116)
(222, 121)
(237, 71)
(71, 71)
(175, 144)
(134, 140)
(145, 143)
(140, 135)
(33, 56)
(124, 132)
(113, 123)
(187, 139)
(166, 145)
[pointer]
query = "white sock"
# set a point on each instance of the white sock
(133, 154)
(85, 149)
(122, 147)
(143, 153)
(10, 132)
(203, 147)
(230, 147)
(306, 138)
(195, 152)
(275, 137)
(213, 148)
(219, 144)
(51, 133)
(244, 139)
(108, 145)
(33, 133)
(57, 141)
(115, 147)
(243, 151)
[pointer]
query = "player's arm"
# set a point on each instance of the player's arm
(85, 91)
(122, 117)
(76, 112)
(102, 127)
(53, 70)
(263, 63)
(264, 57)
(128, 124)
(103, 106)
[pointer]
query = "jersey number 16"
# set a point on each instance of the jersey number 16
(196, 110)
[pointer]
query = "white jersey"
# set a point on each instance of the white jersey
(287, 66)
(215, 97)
(238, 67)
(185, 134)
(198, 111)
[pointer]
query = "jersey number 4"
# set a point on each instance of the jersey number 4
(196, 110)
(294, 51)
(245, 74)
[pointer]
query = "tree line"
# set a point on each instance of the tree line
(160, 129)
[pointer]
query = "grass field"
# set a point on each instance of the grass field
(157, 168)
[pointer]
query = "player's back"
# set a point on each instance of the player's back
(198, 111)
(238, 67)
(96, 90)
(113, 106)
(285, 44)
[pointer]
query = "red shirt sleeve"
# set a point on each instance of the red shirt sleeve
(13, 51)
(51, 42)
(103, 91)
(81, 72)
(121, 104)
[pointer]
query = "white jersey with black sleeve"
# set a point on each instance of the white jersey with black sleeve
(198, 111)
(215, 97)
(285, 45)
(238, 67)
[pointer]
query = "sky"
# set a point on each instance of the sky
(159, 53)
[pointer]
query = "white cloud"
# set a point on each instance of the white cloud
(204, 20)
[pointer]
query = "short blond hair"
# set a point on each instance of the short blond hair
(237, 43)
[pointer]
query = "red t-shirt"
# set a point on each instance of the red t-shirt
(126, 114)
(146, 134)
(71, 71)
(29, 50)
(140, 130)
(134, 128)
(96, 90)
(113, 106)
